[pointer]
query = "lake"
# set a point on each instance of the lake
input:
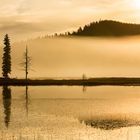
(70, 113)
(73, 57)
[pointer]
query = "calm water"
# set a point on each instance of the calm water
(70, 113)
(73, 57)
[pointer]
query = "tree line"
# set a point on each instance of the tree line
(108, 28)
(105, 28)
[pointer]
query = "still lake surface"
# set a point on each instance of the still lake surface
(70, 113)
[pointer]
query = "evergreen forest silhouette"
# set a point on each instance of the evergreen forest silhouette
(107, 28)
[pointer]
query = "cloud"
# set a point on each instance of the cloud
(24, 6)
(28, 17)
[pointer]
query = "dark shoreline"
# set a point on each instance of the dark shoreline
(120, 81)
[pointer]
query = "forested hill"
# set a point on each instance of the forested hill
(108, 28)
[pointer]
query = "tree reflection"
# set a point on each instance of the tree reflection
(7, 104)
(26, 100)
(84, 88)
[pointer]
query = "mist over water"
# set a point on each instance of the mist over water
(72, 57)
(66, 112)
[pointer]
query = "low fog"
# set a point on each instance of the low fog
(73, 57)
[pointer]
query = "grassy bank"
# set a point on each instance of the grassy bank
(72, 82)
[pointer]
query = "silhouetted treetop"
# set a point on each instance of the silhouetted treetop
(6, 64)
(108, 28)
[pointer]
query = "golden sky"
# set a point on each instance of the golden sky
(23, 19)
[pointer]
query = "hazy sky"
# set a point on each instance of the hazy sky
(29, 18)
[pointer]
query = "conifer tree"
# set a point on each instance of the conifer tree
(6, 64)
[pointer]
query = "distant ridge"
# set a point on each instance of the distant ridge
(107, 28)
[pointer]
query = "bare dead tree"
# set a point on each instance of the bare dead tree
(26, 63)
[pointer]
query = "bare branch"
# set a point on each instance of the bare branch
(26, 62)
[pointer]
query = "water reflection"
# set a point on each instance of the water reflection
(7, 99)
(26, 100)
(7, 104)
(108, 124)
(84, 88)
(55, 110)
